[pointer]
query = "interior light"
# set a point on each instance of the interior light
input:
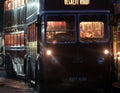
(118, 53)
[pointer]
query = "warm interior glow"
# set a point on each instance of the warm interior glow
(92, 29)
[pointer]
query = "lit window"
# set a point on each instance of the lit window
(57, 25)
(84, 2)
(15, 3)
(91, 29)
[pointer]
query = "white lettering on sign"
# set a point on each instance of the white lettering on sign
(71, 2)
(76, 2)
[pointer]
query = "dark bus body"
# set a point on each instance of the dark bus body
(68, 54)
(69, 44)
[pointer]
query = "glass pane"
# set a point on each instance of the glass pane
(12, 40)
(15, 37)
(61, 29)
(7, 40)
(22, 39)
(94, 28)
(56, 26)
(18, 39)
(91, 29)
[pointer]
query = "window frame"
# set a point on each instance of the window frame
(104, 19)
(63, 15)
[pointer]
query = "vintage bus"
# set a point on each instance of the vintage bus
(68, 44)
(14, 35)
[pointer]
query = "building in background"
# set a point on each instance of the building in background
(116, 36)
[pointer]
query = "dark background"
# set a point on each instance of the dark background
(1, 15)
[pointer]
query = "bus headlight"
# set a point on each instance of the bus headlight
(49, 52)
(106, 51)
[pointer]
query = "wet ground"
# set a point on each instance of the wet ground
(15, 85)
(10, 85)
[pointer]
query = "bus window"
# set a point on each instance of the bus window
(91, 29)
(60, 29)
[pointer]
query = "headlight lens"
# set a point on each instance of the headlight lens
(49, 52)
(106, 51)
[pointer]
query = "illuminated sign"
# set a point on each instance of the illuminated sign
(71, 2)
(76, 2)
(84, 2)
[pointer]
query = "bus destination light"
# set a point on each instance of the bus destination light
(76, 2)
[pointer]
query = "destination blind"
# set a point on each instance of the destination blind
(76, 2)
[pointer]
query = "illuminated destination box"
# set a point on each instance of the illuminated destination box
(76, 2)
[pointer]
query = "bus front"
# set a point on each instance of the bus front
(76, 48)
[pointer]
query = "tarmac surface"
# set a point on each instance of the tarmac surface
(14, 85)
(9, 85)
